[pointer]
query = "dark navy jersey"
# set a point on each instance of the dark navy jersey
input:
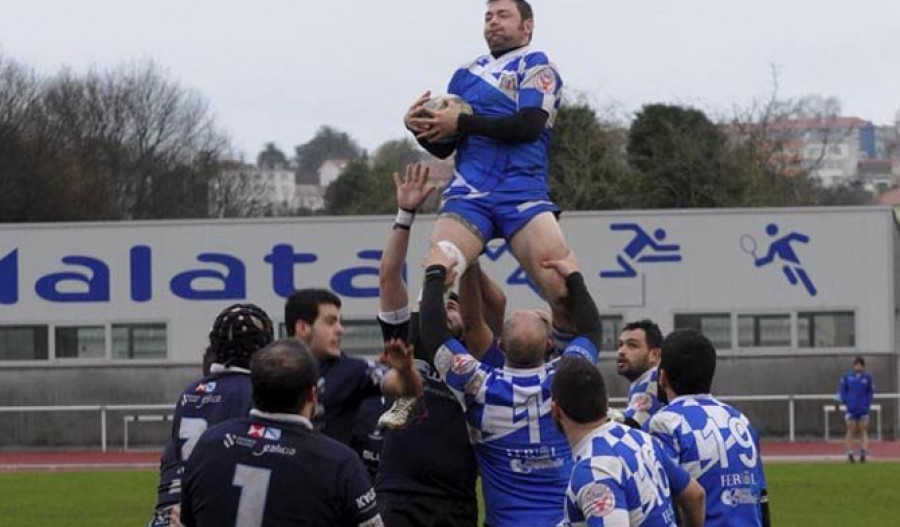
(344, 383)
(208, 401)
(274, 470)
(432, 456)
(367, 437)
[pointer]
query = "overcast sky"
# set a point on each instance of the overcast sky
(276, 70)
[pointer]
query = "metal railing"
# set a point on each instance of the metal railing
(104, 409)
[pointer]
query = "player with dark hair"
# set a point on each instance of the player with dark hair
(713, 441)
(272, 468)
(638, 361)
(857, 390)
(428, 470)
(222, 393)
(524, 459)
(621, 475)
(499, 187)
(313, 316)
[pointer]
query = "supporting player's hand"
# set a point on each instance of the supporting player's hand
(412, 187)
(416, 109)
(397, 354)
(564, 266)
(438, 125)
(437, 256)
(175, 518)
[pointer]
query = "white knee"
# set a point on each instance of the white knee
(451, 250)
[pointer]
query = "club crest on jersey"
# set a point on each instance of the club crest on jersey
(546, 81)
(641, 402)
(264, 432)
(597, 500)
(206, 387)
(509, 82)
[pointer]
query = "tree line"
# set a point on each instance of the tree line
(131, 143)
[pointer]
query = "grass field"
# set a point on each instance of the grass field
(801, 495)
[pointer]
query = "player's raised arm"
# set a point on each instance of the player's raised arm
(402, 380)
(479, 335)
(412, 190)
(433, 310)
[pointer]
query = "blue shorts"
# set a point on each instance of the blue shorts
(854, 416)
(495, 214)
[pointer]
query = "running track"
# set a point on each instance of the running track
(773, 451)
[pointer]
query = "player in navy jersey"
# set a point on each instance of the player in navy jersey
(857, 390)
(638, 361)
(713, 441)
(500, 183)
(621, 476)
(524, 459)
(313, 316)
(272, 468)
(222, 393)
(368, 438)
(428, 472)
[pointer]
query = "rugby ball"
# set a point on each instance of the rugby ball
(442, 102)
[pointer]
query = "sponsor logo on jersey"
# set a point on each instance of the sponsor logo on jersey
(366, 500)
(206, 387)
(279, 450)
(597, 499)
(740, 496)
(256, 430)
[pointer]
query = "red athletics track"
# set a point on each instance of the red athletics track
(33, 460)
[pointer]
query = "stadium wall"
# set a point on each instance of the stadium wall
(117, 313)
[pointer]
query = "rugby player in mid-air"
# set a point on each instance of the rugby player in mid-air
(499, 186)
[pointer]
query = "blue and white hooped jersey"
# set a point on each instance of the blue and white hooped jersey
(643, 397)
(622, 477)
(525, 460)
(500, 87)
(719, 448)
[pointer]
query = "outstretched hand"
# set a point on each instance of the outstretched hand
(412, 187)
(397, 354)
(564, 266)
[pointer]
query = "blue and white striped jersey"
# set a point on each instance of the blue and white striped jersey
(719, 448)
(525, 460)
(622, 478)
(643, 397)
(500, 87)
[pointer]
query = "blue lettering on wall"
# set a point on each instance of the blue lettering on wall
(342, 281)
(97, 284)
(234, 282)
(141, 274)
(9, 278)
(283, 258)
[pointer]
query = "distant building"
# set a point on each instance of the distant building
(330, 170)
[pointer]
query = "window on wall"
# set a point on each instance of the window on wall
(612, 327)
(83, 342)
(714, 326)
(831, 329)
(764, 330)
(139, 341)
(362, 337)
(23, 342)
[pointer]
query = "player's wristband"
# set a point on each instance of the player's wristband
(404, 219)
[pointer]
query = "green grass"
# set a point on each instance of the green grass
(833, 493)
(801, 495)
(77, 499)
